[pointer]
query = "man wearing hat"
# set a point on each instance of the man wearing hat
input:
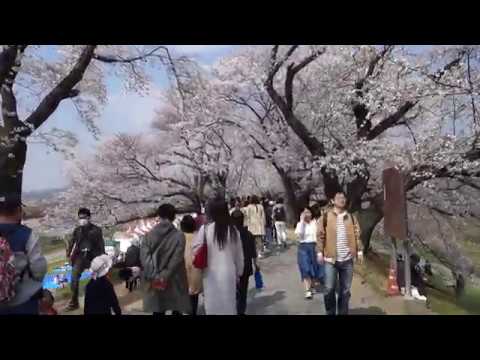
(86, 244)
(29, 262)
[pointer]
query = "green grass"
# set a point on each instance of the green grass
(473, 250)
(442, 299)
(52, 265)
(374, 271)
(51, 244)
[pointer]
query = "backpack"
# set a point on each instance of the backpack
(279, 213)
(237, 213)
(13, 256)
(150, 261)
(132, 256)
(7, 271)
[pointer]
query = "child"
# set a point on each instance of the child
(100, 297)
(46, 303)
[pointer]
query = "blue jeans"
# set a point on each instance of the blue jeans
(344, 272)
(269, 236)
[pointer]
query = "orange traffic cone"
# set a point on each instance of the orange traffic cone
(392, 287)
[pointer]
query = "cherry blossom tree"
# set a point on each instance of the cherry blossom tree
(35, 80)
(185, 160)
(311, 120)
(374, 93)
(260, 123)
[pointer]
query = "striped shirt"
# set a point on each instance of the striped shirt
(343, 250)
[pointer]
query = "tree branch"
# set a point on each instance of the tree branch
(63, 90)
(111, 59)
(364, 126)
(7, 61)
(390, 121)
(293, 70)
(9, 101)
(313, 145)
(371, 68)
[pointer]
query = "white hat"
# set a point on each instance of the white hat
(100, 266)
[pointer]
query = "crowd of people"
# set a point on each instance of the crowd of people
(213, 253)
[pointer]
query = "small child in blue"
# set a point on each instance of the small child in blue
(100, 297)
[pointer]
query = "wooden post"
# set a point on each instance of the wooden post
(408, 278)
(395, 218)
(393, 258)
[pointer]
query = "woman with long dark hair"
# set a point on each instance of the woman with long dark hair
(225, 260)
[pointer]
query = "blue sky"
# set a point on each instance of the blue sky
(125, 112)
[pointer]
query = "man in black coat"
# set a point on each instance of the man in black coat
(87, 243)
(249, 258)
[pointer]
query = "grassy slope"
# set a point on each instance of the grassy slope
(375, 272)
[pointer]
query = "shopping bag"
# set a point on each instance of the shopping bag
(258, 280)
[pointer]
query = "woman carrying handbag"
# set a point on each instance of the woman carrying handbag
(218, 252)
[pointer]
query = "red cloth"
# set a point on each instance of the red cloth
(48, 311)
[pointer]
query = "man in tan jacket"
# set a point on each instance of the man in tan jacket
(338, 236)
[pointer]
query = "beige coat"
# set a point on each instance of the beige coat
(327, 238)
(194, 275)
(256, 219)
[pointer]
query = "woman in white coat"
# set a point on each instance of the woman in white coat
(255, 215)
(225, 260)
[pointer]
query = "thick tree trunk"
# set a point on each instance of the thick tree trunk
(293, 211)
(294, 204)
(368, 219)
(12, 162)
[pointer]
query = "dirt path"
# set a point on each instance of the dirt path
(283, 294)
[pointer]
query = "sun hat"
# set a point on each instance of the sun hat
(100, 266)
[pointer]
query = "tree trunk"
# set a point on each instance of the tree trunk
(12, 161)
(368, 219)
(293, 204)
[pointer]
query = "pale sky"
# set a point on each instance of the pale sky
(129, 113)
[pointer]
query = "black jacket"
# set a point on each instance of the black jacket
(100, 298)
(87, 237)
(249, 250)
(132, 256)
(268, 215)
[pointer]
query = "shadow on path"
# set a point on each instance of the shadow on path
(260, 302)
(372, 310)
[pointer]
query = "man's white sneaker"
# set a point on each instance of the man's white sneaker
(417, 295)
(308, 295)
